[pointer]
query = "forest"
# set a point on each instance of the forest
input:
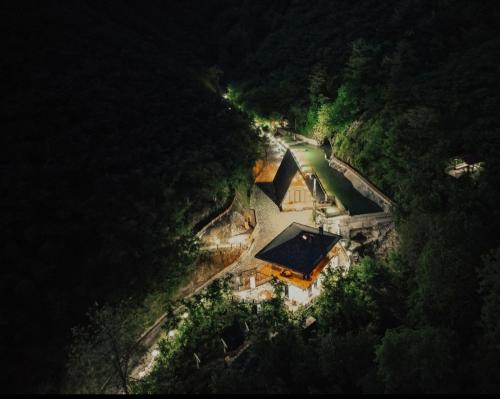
(117, 141)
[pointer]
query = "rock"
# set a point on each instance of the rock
(238, 223)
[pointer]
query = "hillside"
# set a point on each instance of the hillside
(113, 148)
(125, 124)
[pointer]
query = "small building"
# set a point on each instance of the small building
(294, 189)
(297, 256)
(464, 164)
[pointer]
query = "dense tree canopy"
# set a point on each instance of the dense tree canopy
(116, 142)
(398, 88)
(114, 147)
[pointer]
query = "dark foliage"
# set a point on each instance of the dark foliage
(116, 141)
(114, 144)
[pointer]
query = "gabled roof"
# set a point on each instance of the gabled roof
(298, 247)
(284, 176)
(287, 170)
(320, 192)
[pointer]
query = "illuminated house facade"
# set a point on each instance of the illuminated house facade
(295, 190)
(297, 256)
(464, 164)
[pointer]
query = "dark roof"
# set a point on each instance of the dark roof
(287, 170)
(320, 192)
(298, 247)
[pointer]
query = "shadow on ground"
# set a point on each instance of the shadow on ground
(268, 189)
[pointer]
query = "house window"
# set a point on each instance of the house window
(309, 291)
(287, 293)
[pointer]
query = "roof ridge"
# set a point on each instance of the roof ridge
(289, 250)
(311, 227)
(284, 175)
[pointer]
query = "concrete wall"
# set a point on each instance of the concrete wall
(302, 296)
(297, 294)
(361, 184)
(345, 225)
(307, 139)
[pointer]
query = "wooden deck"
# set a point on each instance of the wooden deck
(288, 276)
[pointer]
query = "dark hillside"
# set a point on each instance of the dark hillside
(112, 148)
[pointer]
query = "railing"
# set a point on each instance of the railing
(215, 218)
(241, 281)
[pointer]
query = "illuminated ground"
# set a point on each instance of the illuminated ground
(270, 221)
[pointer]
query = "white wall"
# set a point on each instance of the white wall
(302, 296)
(297, 294)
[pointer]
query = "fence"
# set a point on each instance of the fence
(242, 281)
(215, 218)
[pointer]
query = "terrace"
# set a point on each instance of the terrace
(288, 276)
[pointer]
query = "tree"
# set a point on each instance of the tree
(489, 360)
(102, 350)
(417, 361)
(317, 85)
(361, 298)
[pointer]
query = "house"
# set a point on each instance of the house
(297, 256)
(294, 189)
(467, 163)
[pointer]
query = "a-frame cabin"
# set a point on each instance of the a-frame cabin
(294, 190)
